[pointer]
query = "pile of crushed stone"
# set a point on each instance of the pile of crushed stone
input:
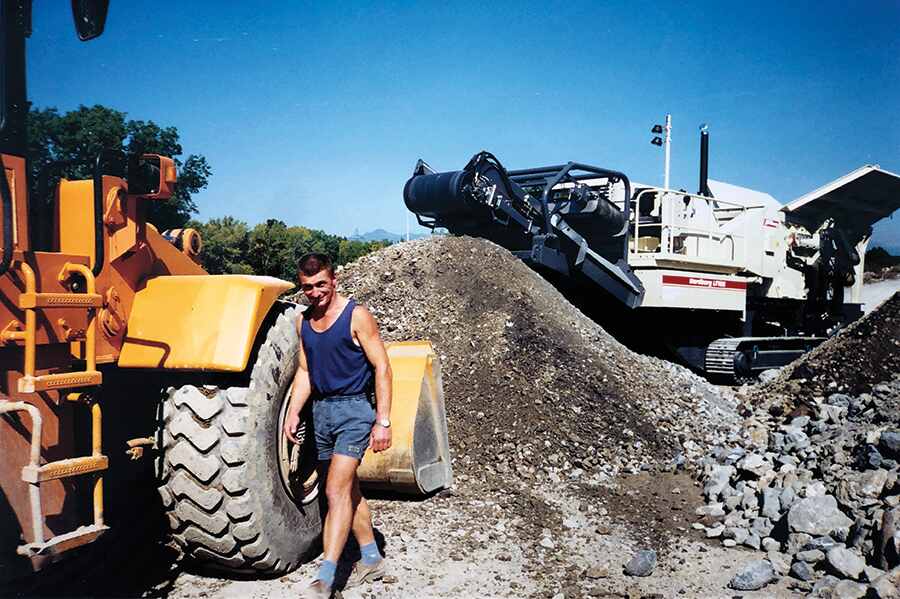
(819, 493)
(534, 389)
(862, 355)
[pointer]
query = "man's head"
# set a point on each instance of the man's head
(316, 275)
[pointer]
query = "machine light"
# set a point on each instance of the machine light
(656, 129)
(656, 141)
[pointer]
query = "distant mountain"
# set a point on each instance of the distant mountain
(382, 235)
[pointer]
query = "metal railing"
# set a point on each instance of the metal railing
(673, 225)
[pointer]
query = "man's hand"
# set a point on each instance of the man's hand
(381, 438)
(291, 422)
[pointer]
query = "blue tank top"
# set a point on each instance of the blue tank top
(337, 366)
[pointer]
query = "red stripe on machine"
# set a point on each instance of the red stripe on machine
(702, 282)
(772, 224)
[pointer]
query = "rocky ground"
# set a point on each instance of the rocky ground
(586, 470)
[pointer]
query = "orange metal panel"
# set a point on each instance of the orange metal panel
(204, 322)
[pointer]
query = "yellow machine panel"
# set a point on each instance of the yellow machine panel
(419, 458)
(198, 322)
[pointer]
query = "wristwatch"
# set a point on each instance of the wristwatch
(384, 422)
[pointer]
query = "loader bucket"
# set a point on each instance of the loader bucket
(418, 461)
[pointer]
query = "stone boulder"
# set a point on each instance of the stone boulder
(642, 563)
(753, 576)
(817, 516)
(848, 564)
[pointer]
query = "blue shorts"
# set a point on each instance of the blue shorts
(343, 425)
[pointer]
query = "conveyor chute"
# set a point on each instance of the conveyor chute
(570, 218)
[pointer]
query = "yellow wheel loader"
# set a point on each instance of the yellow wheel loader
(124, 362)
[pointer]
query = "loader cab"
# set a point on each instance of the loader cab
(15, 26)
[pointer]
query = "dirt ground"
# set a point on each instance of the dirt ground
(461, 545)
(570, 452)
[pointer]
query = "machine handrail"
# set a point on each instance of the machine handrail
(7, 207)
(673, 195)
(561, 173)
(99, 251)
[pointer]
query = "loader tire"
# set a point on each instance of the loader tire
(222, 482)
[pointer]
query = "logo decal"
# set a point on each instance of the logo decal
(703, 282)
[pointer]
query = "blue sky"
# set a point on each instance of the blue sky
(315, 113)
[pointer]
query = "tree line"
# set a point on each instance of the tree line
(66, 145)
(270, 248)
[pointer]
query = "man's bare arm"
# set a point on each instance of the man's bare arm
(366, 330)
(300, 391)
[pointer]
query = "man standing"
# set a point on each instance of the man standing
(341, 361)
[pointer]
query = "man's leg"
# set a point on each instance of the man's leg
(362, 528)
(362, 517)
(339, 491)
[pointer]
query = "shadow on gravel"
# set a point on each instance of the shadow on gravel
(108, 568)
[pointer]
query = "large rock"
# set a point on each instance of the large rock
(824, 586)
(642, 563)
(754, 464)
(781, 563)
(771, 504)
(810, 556)
(787, 497)
(717, 481)
(887, 586)
(847, 589)
(753, 576)
(817, 516)
(803, 571)
(872, 482)
(767, 376)
(890, 443)
(848, 564)
(887, 540)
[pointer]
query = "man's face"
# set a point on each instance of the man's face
(319, 288)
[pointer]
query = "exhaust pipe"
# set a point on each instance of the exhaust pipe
(704, 162)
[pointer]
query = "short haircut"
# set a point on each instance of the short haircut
(312, 264)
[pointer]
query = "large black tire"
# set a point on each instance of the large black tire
(228, 504)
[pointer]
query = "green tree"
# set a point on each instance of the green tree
(68, 144)
(224, 245)
(269, 250)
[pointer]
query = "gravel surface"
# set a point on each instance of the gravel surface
(573, 455)
(532, 384)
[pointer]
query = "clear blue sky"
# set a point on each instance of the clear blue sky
(315, 113)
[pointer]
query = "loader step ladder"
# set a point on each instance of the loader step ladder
(34, 473)
(31, 301)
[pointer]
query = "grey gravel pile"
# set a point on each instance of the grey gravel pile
(819, 493)
(535, 389)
